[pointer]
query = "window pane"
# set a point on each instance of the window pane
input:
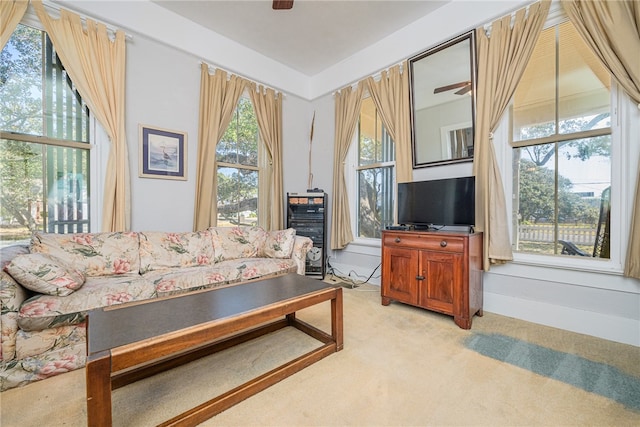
(237, 196)
(534, 198)
(240, 142)
(577, 195)
(21, 82)
(66, 115)
(38, 95)
(44, 188)
(534, 99)
(583, 84)
(67, 196)
(22, 186)
(375, 201)
(375, 144)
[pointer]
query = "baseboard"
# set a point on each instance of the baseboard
(618, 329)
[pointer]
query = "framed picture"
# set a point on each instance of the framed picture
(163, 153)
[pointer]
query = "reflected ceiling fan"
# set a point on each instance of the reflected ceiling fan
(463, 86)
(282, 4)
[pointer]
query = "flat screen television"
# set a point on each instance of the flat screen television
(437, 203)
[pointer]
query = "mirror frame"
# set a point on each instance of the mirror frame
(470, 37)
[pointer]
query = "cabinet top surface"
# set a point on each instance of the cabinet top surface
(440, 233)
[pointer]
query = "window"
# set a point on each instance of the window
(238, 156)
(562, 139)
(45, 141)
(375, 172)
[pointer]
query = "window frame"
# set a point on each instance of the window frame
(261, 168)
(98, 146)
(363, 245)
(623, 178)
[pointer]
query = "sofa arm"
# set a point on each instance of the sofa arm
(12, 295)
(301, 246)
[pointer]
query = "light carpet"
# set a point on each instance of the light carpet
(401, 366)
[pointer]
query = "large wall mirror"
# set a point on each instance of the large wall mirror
(443, 83)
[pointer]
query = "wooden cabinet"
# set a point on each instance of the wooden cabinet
(439, 271)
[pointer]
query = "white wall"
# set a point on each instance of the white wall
(163, 90)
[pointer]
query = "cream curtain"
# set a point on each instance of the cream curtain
(612, 30)
(11, 12)
(391, 97)
(268, 107)
(218, 99)
(346, 117)
(96, 65)
(502, 57)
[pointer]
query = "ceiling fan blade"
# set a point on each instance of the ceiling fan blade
(450, 87)
(464, 90)
(282, 4)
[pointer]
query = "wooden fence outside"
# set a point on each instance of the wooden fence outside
(581, 235)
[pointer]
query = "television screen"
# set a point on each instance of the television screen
(437, 202)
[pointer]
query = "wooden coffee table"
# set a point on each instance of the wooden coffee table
(129, 342)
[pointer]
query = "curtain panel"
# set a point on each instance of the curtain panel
(347, 111)
(11, 12)
(502, 58)
(218, 99)
(612, 30)
(268, 107)
(96, 65)
(391, 97)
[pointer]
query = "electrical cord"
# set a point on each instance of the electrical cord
(348, 279)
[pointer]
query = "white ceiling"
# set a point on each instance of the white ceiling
(312, 36)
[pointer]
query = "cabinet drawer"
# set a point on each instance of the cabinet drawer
(429, 242)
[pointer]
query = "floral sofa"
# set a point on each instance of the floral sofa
(47, 287)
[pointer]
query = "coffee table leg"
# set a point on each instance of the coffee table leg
(98, 372)
(336, 320)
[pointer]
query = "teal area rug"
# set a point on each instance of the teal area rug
(593, 377)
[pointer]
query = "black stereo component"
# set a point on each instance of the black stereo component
(307, 214)
(398, 227)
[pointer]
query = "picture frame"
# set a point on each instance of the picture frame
(163, 153)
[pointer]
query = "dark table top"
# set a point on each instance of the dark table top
(115, 326)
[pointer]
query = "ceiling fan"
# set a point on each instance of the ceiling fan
(282, 4)
(463, 86)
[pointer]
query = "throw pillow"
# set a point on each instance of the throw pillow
(278, 244)
(45, 274)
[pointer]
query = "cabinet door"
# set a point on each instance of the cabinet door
(399, 271)
(441, 272)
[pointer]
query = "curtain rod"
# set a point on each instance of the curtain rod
(83, 18)
(209, 66)
(377, 75)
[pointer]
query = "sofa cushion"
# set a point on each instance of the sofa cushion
(220, 274)
(54, 362)
(11, 293)
(160, 250)
(253, 268)
(184, 280)
(46, 311)
(236, 242)
(8, 329)
(96, 254)
(278, 244)
(45, 274)
(10, 252)
(34, 343)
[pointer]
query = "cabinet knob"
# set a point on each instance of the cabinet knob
(397, 240)
(419, 277)
(443, 243)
